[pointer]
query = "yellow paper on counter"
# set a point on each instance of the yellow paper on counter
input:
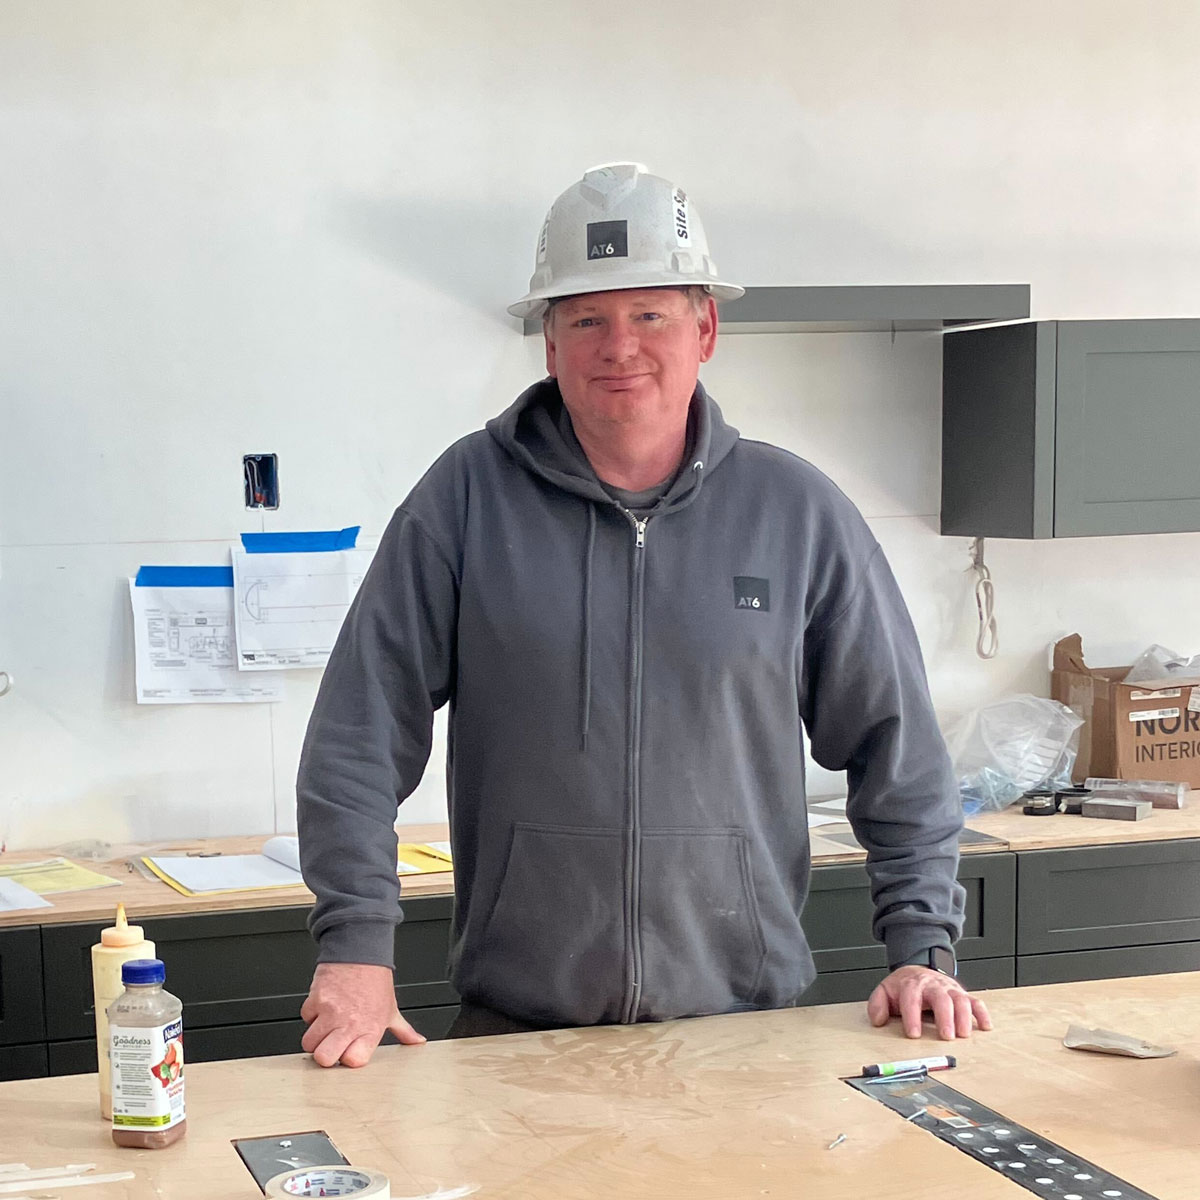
(50, 876)
(423, 858)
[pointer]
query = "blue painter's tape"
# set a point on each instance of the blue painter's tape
(184, 577)
(302, 542)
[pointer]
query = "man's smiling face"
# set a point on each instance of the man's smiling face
(629, 356)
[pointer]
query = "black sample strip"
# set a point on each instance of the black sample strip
(266, 1157)
(1041, 1166)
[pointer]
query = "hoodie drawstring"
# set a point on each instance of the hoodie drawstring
(587, 623)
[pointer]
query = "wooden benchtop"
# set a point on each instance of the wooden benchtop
(144, 897)
(1010, 830)
(1062, 831)
(715, 1108)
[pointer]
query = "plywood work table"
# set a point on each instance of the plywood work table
(717, 1107)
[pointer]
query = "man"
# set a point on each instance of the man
(632, 613)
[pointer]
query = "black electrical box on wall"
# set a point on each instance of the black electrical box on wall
(260, 473)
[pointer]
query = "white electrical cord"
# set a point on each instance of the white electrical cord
(988, 641)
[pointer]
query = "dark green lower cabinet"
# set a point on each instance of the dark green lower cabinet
(837, 917)
(1108, 964)
(1035, 917)
(23, 1062)
(842, 987)
(242, 977)
(22, 1014)
(1103, 897)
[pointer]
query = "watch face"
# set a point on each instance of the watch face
(941, 959)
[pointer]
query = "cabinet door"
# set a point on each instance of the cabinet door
(1127, 444)
(1100, 897)
(21, 1015)
(1108, 964)
(837, 916)
(227, 968)
(842, 987)
(22, 1062)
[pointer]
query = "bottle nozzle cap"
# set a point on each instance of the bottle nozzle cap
(121, 933)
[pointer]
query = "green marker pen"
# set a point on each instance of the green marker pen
(943, 1063)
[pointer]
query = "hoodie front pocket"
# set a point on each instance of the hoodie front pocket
(702, 941)
(552, 948)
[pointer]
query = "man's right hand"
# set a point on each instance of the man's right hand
(349, 1008)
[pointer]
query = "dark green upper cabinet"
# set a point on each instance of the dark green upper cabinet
(1071, 429)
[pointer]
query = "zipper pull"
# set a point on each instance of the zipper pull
(640, 527)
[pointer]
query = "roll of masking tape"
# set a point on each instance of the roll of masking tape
(331, 1181)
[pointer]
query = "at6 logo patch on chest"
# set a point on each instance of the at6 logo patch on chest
(752, 593)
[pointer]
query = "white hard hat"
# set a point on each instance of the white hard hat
(620, 227)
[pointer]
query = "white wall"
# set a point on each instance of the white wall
(251, 225)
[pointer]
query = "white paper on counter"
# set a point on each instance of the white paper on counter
(828, 804)
(226, 872)
(816, 820)
(14, 896)
(283, 850)
(290, 605)
(184, 650)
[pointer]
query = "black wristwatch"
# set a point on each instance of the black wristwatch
(937, 958)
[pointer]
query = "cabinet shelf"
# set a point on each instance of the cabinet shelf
(867, 308)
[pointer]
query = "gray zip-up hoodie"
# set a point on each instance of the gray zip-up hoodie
(625, 769)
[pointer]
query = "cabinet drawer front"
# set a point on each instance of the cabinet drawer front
(842, 987)
(233, 968)
(21, 1012)
(1108, 964)
(22, 1062)
(1127, 427)
(1108, 896)
(837, 916)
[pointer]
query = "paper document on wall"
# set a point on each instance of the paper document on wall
(183, 636)
(15, 896)
(290, 603)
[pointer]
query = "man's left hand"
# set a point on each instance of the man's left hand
(909, 991)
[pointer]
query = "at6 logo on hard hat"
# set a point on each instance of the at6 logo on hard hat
(607, 239)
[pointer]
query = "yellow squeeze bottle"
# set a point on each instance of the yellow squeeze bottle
(118, 944)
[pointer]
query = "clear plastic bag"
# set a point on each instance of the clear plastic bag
(1158, 663)
(1011, 746)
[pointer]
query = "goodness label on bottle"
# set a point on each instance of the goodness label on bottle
(147, 1076)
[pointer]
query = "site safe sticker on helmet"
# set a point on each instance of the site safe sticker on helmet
(608, 239)
(683, 236)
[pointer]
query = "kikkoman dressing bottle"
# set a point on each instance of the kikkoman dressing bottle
(145, 1031)
(118, 944)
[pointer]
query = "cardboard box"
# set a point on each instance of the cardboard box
(1131, 730)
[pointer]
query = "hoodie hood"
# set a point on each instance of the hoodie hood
(529, 430)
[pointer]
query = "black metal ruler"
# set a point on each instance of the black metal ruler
(1043, 1167)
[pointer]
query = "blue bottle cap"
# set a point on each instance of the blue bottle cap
(143, 970)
